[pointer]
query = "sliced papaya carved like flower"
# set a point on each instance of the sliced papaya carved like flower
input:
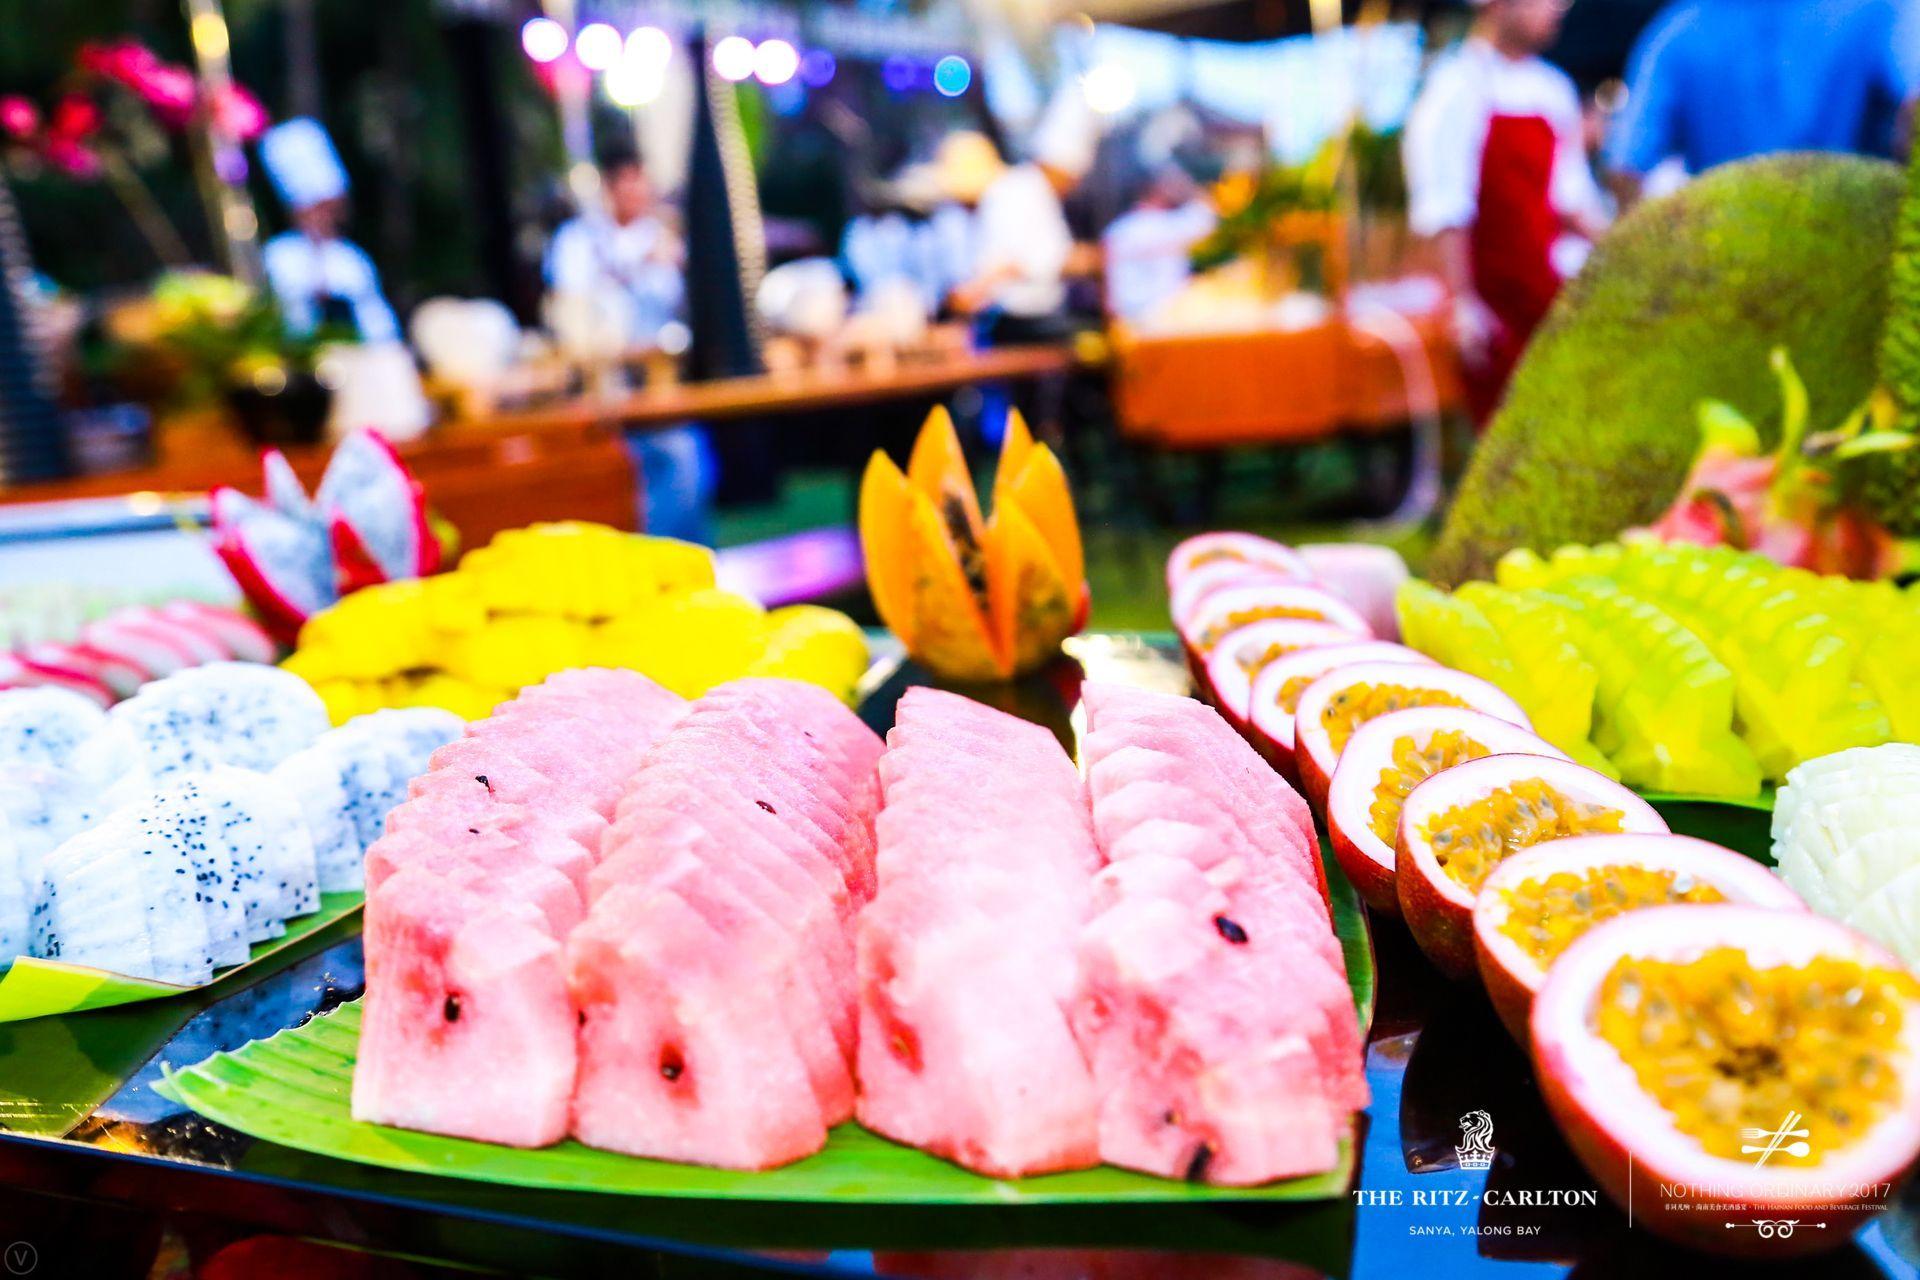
(973, 598)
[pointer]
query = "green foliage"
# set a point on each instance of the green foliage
(1683, 301)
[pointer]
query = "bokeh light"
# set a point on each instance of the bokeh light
(952, 75)
(1109, 88)
(898, 73)
(733, 57)
(649, 46)
(817, 68)
(775, 62)
(598, 46)
(543, 39)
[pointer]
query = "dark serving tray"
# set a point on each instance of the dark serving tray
(86, 1133)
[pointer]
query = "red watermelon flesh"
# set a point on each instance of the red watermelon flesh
(491, 864)
(1203, 728)
(803, 793)
(470, 809)
(559, 751)
(963, 1053)
(470, 762)
(678, 1057)
(785, 802)
(1315, 1001)
(467, 1028)
(814, 1005)
(634, 695)
(1195, 1080)
(663, 804)
(760, 872)
(822, 718)
(966, 955)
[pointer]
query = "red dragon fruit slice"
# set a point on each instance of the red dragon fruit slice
(284, 566)
(369, 493)
(117, 673)
(155, 653)
(17, 672)
(284, 491)
(238, 635)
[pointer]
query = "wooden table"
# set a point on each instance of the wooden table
(562, 461)
(801, 391)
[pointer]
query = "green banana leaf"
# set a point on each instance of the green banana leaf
(1741, 823)
(34, 988)
(293, 1088)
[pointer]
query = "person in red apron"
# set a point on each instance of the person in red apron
(1498, 178)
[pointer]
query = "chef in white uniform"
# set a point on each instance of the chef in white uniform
(1023, 247)
(316, 273)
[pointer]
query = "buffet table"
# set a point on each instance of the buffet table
(87, 1134)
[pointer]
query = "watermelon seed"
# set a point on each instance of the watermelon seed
(1230, 931)
(1202, 1157)
(481, 778)
(670, 1064)
(769, 808)
(451, 1009)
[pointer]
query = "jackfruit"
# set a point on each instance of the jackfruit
(1891, 484)
(1682, 301)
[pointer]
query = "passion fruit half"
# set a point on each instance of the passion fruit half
(1542, 900)
(1226, 549)
(1345, 698)
(1461, 823)
(1230, 608)
(1192, 591)
(1275, 692)
(1241, 654)
(1747, 1080)
(1387, 759)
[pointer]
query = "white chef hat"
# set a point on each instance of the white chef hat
(1068, 134)
(300, 159)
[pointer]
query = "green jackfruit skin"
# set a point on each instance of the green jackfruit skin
(1891, 486)
(1683, 300)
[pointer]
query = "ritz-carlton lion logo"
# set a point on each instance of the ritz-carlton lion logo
(1476, 1141)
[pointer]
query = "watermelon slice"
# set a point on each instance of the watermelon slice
(470, 810)
(485, 861)
(1206, 1067)
(965, 981)
(684, 1050)
(467, 1028)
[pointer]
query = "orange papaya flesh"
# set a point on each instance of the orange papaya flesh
(1041, 491)
(947, 624)
(885, 512)
(1032, 604)
(938, 468)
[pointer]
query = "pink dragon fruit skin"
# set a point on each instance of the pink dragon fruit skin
(17, 672)
(370, 493)
(282, 565)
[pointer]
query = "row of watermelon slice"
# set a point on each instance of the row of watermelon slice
(710, 932)
(112, 656)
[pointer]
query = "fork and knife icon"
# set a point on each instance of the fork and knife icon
(1767, 1141)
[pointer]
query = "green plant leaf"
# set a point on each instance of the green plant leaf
(34, 988)
(293, 1089)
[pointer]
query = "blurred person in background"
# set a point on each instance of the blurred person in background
(1498, 178)
(1023, 249)
(1711, 81)
(317, 274)
(623, 250)
(1147, 250)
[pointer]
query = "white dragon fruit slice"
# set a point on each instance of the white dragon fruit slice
(264, 827)
(312, 778)
(284, 566)
(372, 776)
(183, 813)
(15, 897)
(284, 491)
(43, 806)
(369, 490)
(45, 725)
(417, 732)
(155, 652)
(104, 666)
(236, 713)
(111, 883)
